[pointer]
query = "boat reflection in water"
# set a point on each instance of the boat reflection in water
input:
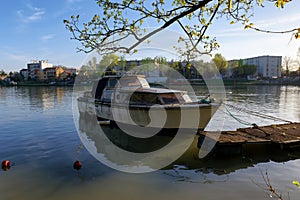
(213, 163)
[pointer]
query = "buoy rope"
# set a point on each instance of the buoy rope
(80, 146)
(258, 114)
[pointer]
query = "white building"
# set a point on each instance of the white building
(35, 68)
(266, 66)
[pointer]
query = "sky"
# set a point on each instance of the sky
(34, 30)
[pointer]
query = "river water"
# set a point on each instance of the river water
(38, 135)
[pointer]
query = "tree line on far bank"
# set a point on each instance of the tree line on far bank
(110, 63)
(113, 64)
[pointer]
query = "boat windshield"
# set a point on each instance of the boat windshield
(129, 82)
(133, 82)
(144, 98)
(169, 98)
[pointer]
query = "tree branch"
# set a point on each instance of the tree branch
(170, 22)
(100, 33)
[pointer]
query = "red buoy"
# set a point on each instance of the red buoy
(5, 165)
(77, 165)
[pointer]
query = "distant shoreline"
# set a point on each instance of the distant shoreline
(36, 85)
(227, 82)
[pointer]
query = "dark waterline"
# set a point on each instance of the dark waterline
(38, 135)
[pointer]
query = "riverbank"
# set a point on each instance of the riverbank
(236, 82)
(226, 82)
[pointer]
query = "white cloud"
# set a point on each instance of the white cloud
(73, 1)
(36, 16)
(47, 37)
(31, 14)
(279, 21)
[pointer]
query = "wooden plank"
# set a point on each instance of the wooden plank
(257, 133)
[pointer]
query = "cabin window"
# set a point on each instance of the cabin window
(112, 83)
(106, 96)
(169, 98)
(129, 82)
(142, 98)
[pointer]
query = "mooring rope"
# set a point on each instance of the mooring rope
(258, 114)
(239, 120)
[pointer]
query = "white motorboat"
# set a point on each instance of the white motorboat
(131, 101)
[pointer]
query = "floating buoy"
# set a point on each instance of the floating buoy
(5, 165)
(77, 165)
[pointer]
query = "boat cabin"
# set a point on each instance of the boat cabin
(135, 90)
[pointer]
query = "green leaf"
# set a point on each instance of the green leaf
(260, 2)
(141, 22)
(248, 26)
(296, 183)
(281, 3)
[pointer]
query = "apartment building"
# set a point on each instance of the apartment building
(35, 68)
(266, 66)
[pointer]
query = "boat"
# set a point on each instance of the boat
(129, 100)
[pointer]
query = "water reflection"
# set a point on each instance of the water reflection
(289, 102)
(120, 138)
(35, 98)
(217, 162)
(276, 101)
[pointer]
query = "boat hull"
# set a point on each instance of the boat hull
(189, 116)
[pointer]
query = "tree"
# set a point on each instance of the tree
(221, 63)
(286, 63)
(109, 60)
(2, 73)
(297, 61)
(242, 71)
(112, 24)
(108, 63)
(176, 65)
(237, 71)
(249, 70)
(122, 63)
(40, 75)
(17, 77)
(147, 65)
(175, 69)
